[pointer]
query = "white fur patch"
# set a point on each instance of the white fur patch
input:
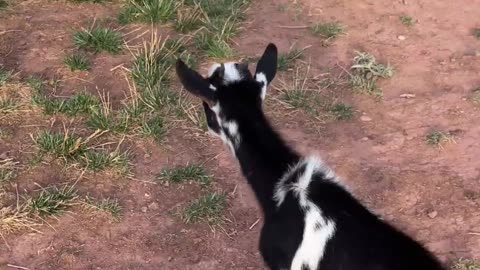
(313, 164)
(316, 234)
(318, 229)
(261, 78)
(232, 128)
(230, 75)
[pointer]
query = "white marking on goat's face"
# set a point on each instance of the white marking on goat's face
(262, 79)
(228, 130)
(231, 72)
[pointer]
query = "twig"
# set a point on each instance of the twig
(9, 31)
(18, 267)
(293, 26)
(474, 233)
(116, 67)
(253, 225)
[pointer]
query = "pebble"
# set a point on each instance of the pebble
(365, 118)
(153, 206)
(364, 139)
(433, 214)
(144, 209)
(402, 37)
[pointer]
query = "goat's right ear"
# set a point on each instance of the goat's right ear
(267, 65)
(194, 83)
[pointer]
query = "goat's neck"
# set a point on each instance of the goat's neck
(264, 157)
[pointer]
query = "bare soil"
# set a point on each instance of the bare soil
(432, 193)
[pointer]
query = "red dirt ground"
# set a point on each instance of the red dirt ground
(385, 161)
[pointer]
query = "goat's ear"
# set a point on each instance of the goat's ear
(194, 83)
(267, 65)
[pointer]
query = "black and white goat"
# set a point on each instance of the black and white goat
(310, 220)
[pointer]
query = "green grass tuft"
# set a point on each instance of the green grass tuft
(150, 11)
(285, 60)
(154, 127)
(60, 145)
(329, 30)
(82, 102)
(3, 4)
(7, 105)
(108, 205)
(107, 121)
(51, 201)
(8, 170)
(207, 208)
(189, 20)
(101, 160)
(191, 172)
(437, 137)
(407, 20)
(366, 72)
(341, 111)
(213, 45)
(464, 264)
(5, 75)
(77, 62)
(476, 33)
(98, 39)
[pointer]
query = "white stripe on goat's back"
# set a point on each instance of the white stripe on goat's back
(316, 234)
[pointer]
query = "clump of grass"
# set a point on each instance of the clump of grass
(82, 102)
(476, 33)
(5, 133)
(51, 201)
(65, 145)
(154, 127)
(7, 105)
(93, 1)
(108, 205)
(366, 72)
(285, 60)
(341, 111)
(8, 170)
(154, 60)
(3, 4)
(101, 160)
(104, 118)
(150, 11)
(464, 264)
(213, 45)
(98, 39)
(77, 62)
(191, 172)
(15, 219)
(300, 93)
(407, 20)
(207, 208)
(436, 137)
(328, 30)
(189, 19)
(5, 75)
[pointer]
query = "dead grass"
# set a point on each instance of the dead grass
(465, 264)
(13, 219)
(208, 208)
(437, 137)
(8, 170)
(365, 73)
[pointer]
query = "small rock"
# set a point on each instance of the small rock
(365, 118)
(144, 209)
(407, 96)
(3, 155)
(364, 139)
(477, 53)
(153, 206)
(433, 214)
(170, 258)
(402, 37)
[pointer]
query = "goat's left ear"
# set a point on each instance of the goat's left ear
(268, 63)
(267, 67)
(195, 83)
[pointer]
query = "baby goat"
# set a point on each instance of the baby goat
(311, 221)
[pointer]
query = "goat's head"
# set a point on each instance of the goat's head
(230, 93)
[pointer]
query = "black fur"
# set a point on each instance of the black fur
(361, 241)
